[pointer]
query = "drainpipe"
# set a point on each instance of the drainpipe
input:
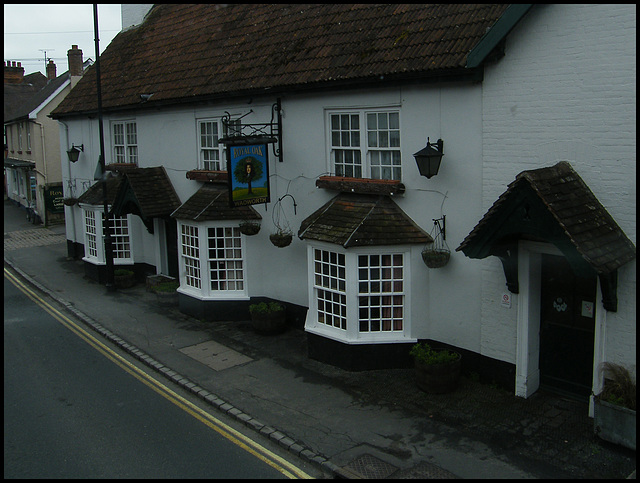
(71, 208)
(44, 160)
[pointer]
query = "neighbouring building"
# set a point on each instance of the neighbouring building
(33, 158)
(306, 118)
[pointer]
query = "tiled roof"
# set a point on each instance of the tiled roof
(190, 52)
(93, 195)
(153, 191)
(590, 228)
(362, 220)
(211, 202)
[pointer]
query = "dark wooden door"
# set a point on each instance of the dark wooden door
(171, 230)
(567, 323)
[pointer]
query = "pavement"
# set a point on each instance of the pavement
(369, 424)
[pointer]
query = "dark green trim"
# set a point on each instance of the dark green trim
(512, 15)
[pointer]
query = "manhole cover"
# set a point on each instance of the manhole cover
(370, 467)
(424, 470)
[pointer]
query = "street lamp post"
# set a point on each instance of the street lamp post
(108, 247)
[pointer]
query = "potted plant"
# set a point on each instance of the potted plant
(281, 238)
(166, 292)
(614, 410)
(436, 257)
(124, 278)
(268, 317)
(437, 370)
(249, 227)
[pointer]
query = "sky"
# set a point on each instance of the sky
(30, 30)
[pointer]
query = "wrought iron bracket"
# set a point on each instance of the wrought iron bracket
(267, 132)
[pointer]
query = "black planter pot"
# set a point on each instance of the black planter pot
(438, 378)
(269, 323)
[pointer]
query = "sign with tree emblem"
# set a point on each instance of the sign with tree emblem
(248, 173)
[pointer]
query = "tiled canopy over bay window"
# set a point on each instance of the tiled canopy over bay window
(363, 241)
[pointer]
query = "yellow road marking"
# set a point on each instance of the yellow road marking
(260, 452)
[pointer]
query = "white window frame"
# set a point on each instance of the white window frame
(120, 238)
(352, 334)
(124, 142)
(226, 260)
(387, 140)
(214, 148)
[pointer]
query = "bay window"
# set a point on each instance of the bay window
(358, 296)
(94, 237)
(212, 261)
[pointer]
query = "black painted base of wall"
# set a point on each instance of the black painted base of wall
(359, 357)
(236, 310)
(364, 357)
(75, 250)
(98, 273)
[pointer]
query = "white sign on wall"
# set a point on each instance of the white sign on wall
(506, 300)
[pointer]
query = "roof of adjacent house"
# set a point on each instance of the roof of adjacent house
(21, 99)
(211, 202)
(351, 219)
(588, 225)
(195, 52)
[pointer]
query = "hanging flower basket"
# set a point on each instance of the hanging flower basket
(281, 239)
(70, 201)
(436, 258)
(249, 228)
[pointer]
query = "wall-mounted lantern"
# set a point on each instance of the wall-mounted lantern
(74, 152)
(429, 158)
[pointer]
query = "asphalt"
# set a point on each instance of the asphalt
(370, 424)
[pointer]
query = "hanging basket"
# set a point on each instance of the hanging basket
(281, 239)
(436, 258)
(249, 228)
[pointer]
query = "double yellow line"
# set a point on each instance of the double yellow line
(254, 448)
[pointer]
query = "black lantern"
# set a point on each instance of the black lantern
(74, 152)
(429, 158)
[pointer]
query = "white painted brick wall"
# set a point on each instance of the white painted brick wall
(565, 90)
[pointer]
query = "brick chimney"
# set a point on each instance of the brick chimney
(75, 61)
(51, 70)
(13, 74)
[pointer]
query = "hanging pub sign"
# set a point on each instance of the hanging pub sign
(248, 174)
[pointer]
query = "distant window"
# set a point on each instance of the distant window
(125, 142)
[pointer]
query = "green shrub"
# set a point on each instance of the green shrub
(619, 386)
(265, 308)
(170, 286)
(425, 354)
(121, 272)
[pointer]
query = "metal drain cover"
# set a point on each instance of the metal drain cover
(369, 467)
(424, 470)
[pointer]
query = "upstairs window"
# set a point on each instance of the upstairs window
(365, 144)
(125, 142)
(210, 150)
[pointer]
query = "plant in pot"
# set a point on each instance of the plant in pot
(250, 227)
(124, 278)
(281, 238)
(437, 370)
(614, 415)
(166, 292)
(268, 317)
